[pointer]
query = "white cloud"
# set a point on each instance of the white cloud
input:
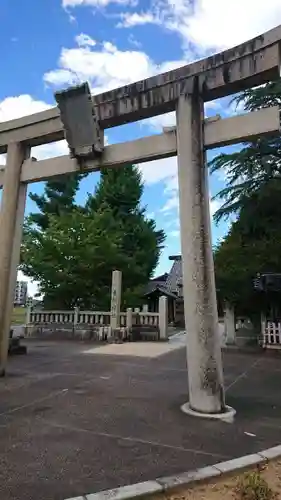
(18, 106)
(210, 24)
(129, 20)
(93, 3)
(171, 206)
(15, 107)
(85, 40)
(214, 206)
(105, 67)
(158, 170)
(132, 40)
(221, 24)
(156, 123)
(51, 150)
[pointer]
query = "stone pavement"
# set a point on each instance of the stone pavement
(141, 349)
(74, 423)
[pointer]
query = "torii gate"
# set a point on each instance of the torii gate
(184, 90)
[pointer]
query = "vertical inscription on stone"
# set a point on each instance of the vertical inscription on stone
(115, 299)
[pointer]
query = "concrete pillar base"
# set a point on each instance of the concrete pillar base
(226, 416)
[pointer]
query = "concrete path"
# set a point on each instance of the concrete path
(141, 349)
(72, 424)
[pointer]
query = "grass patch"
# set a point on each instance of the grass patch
(261, 483)
(252, 486)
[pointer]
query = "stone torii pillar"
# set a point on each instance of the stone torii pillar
(205, 375)
(11, 223)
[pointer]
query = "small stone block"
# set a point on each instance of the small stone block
(271, 453)
(131, 491)
(188, 477)
(239, 463)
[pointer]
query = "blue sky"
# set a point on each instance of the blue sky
(51, 44)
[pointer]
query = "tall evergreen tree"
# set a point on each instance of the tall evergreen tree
(252, 246)
(72, 250)
(58, 197)
(121, 191)
(257, 162)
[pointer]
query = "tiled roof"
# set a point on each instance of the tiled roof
(163, 290)
(152, 285)
(169, 281)
(175, 276)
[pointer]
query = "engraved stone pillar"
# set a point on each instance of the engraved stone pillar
(205, 377)
(115, 299)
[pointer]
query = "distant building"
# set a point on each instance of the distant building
(170, 285)
(20, 293)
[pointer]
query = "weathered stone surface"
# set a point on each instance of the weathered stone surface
(271, 453)
(131, 491)
(188, 477)
(239, 463)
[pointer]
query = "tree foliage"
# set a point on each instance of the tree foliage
(72, 250)
(252, 246)
(256, 163)
(58, 197)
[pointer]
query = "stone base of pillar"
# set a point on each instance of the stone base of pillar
(226, 416)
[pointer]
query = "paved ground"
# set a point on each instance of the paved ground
(72, 423)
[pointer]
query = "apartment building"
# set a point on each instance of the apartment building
(20, 293)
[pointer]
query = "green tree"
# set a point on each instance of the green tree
(121, 190)
(58, 197)
(72, 250)
(256, 163)
(252, 246)
(72, 259)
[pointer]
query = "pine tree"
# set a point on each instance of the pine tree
(256, 163)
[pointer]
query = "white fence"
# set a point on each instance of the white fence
(98, 318)
(271, 335)
(77, 320)
(74, 317)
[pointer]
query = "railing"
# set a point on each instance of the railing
(146, 319)
(98, 318)
(271, 335)
(99, 321)
(36, 317)
(95, 318)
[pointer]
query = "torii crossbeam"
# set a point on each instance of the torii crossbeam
(183, 90)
